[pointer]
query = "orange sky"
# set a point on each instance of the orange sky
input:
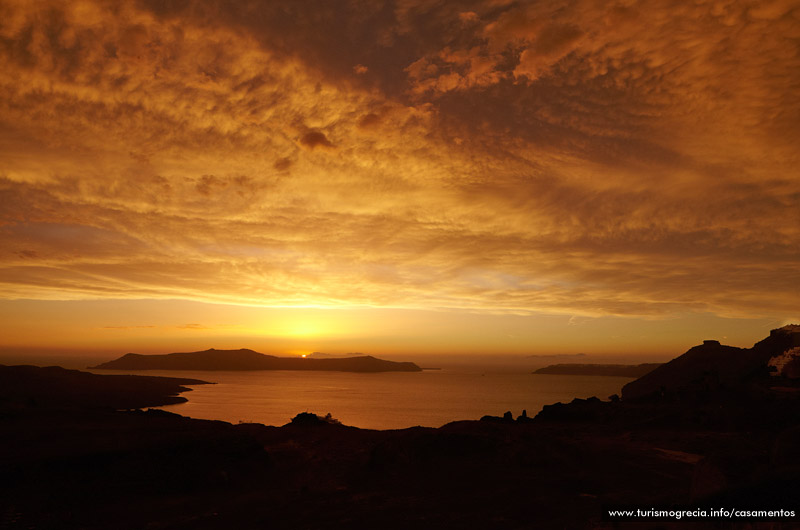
(518, 177)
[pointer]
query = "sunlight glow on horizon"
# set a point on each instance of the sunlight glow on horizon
(115, 327)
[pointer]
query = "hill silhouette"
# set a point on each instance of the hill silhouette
(712, 364)
(245, 359)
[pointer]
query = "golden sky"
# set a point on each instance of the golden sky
(398, 175)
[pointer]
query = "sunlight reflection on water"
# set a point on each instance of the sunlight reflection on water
(389, 400)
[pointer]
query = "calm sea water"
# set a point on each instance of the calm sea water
(392, 400)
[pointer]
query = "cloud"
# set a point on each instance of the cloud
(207, 183)
(192, 327)
(552, 44)
(313, 139)
(369, 121)
(513, 157)
(282, 164)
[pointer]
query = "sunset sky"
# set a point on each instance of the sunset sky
(484, 176)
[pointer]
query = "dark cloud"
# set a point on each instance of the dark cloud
(282, 164)
(368, 121)
(206, 184)
(556, 39)
(313, 139)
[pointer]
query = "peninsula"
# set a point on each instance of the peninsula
(245, 359)
(54, 387)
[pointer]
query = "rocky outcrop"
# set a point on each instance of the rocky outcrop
(712, 365)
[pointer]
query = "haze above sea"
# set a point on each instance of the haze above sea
(390, 400)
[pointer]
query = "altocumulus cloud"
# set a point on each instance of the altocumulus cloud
(571, 156)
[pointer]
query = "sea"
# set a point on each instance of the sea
(389, 400)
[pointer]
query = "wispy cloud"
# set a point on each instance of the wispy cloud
(193, 327)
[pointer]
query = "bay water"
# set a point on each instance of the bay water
(389, 400)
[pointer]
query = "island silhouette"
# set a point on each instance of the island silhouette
(718, 427)
(245, 359)
(610, 370)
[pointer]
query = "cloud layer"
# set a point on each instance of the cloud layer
(581, 157)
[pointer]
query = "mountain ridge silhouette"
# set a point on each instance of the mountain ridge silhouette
(246, 359)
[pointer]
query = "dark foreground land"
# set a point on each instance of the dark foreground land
(705, 437)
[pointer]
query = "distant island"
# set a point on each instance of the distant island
(245, 359)
(611, 370)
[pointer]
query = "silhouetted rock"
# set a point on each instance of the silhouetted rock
(523, 418)
(507, 417)
(309, 418)
(590, 409)
(245, 359)
(791, 369)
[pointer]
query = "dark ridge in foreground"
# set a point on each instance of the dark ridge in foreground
(716, 428)
(611, 370)
(251, 360)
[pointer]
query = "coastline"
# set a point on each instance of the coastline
(676, 438)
